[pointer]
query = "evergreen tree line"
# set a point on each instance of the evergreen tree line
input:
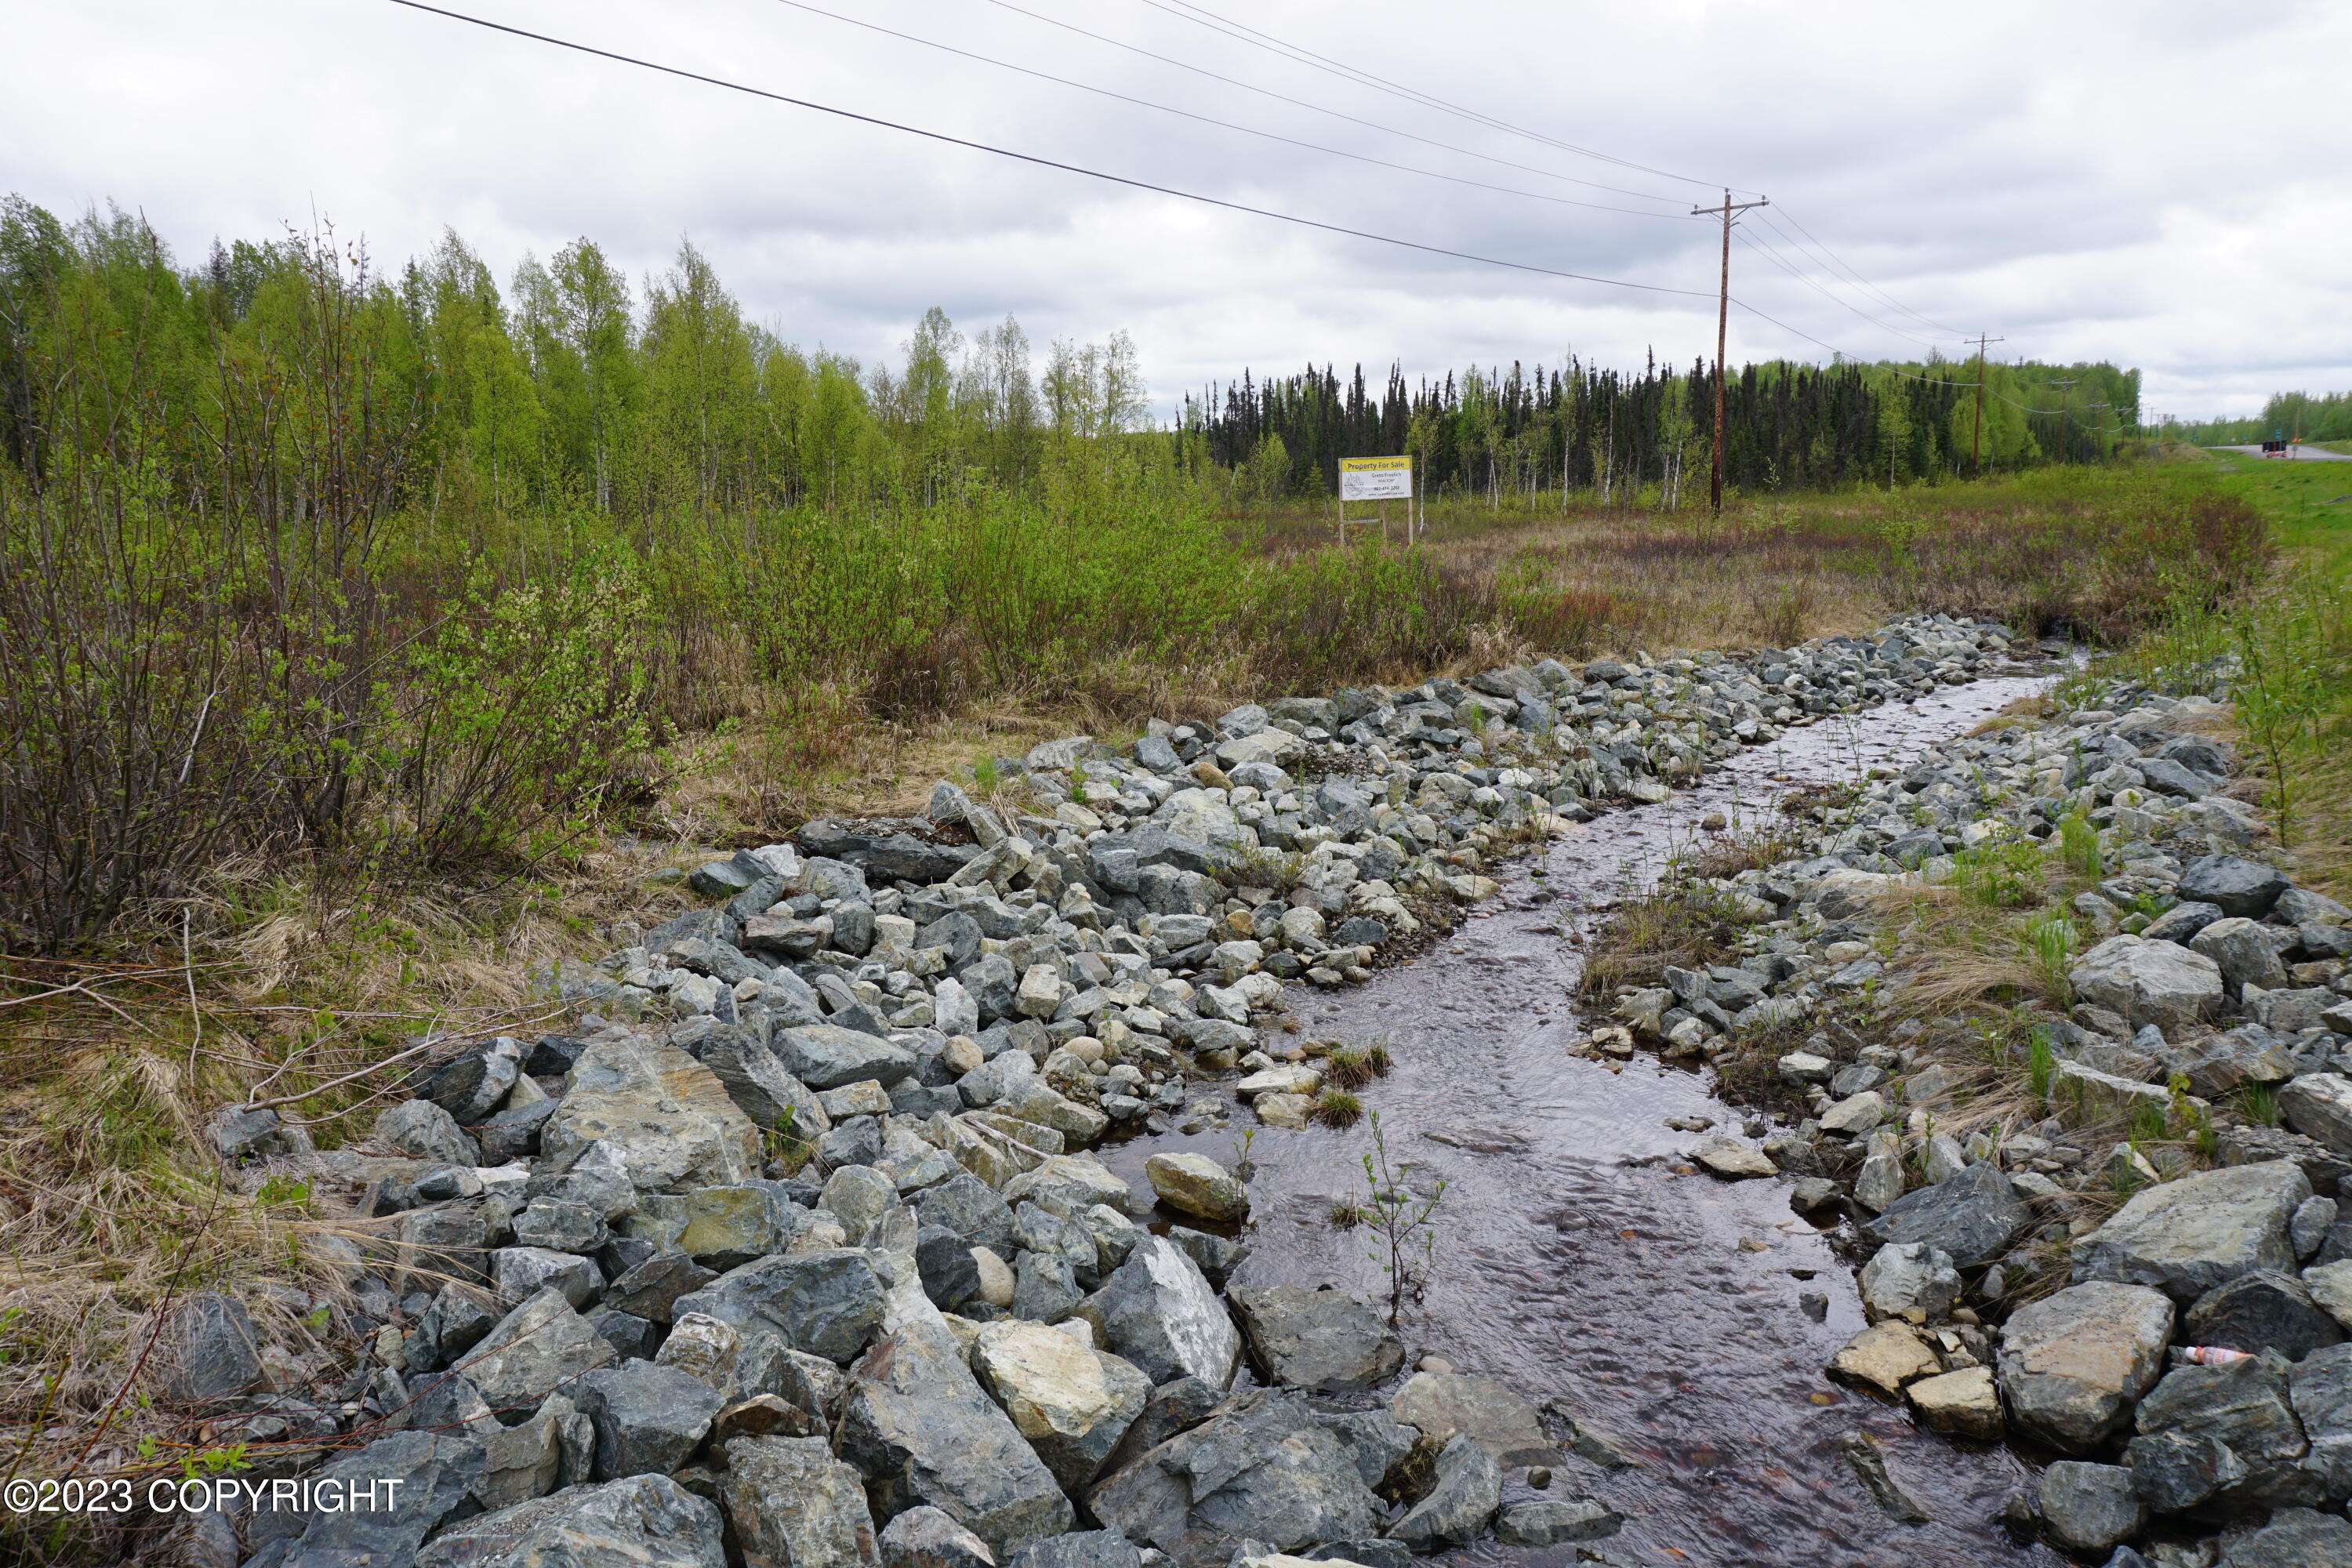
(1581, 428)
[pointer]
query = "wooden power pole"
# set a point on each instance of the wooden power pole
(1976, 442)
(1722, 323)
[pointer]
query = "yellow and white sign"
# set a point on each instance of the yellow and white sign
(1375, 479)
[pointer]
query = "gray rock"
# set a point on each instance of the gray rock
(209, 1350)
(793, 1505)
(2292, 1538)
(2244, 952)
(828, 1303)
(1971, 1218)
(1869, 1466)
(2308, 1229)
(2319, 1106)
(822, 1056)
(662, 1115)
(1263, 1469)
(2242, 1409)
(2320, 1389)
(1909, 1280)
(651, 1289)
(2090, 1507)
(1438, 1404)
(915, 1421)
(2233, 885)
(645, 1522)
(1081, 1549)
(431, 1476)
(1321, 1339)
(1467, 1492)
(423, 1131)
(648, 1419)
(970, 1208)
(2266, 1310)
(2073, 1366)
(518, 1272)
(1071, 1402)
(1378, 1441)
(1548, 1521)
(1160, 1312)
(535, 1349)
(2181, 923)
(926, 1537)
(2186, 1237)
(2157, 983)
(470, 1086)
(761, 1087)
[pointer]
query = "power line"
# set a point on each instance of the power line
(1227, 27)
(1211, 120)
(684, 74)
(1836, 261)
(1776, 260)
(1315, 108)
(1205, 17)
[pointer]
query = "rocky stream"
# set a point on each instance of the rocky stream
(960, 1191)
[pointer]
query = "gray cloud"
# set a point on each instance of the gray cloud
(2152, 184)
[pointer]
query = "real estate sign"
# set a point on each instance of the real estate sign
(1375, 479)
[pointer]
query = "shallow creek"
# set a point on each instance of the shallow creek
(1575, 1260)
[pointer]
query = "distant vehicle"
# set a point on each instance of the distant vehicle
(2277, 448)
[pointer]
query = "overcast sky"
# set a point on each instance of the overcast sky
(2161, 184)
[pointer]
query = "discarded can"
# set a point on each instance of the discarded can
(2213, 1356)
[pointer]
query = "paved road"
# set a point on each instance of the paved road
(2306, 454)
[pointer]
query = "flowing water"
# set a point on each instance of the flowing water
(1574, 1260)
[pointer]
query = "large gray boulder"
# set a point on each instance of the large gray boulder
(2244, 951)
(1466, 1496)
(2320, 1388)
(2072, 1365)
(2233, 885)
(424, 1478)
(1321, 1339)
(1971, 1218)
(793, 1505)
(2158, 983)
(828, 1303)
(1158, 1311)
(423, 1131)
(2291, 1538)
(915, 1421)
(534, 1350)
(1263, 1467)
(645, 1522)
(970, 1208)
(648, 1419)
(208, 1351)
(664, 1115)
(1071, 1402)
(1440, 1405)
(825, 1055)
(2319, 1106)
(2266, 1310)
(926, 1537)
(2090, 1508)
(2221, 1437)
(760, 1085)
(2186, 1237)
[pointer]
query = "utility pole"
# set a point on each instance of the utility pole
(1722, 323)
(1976, 442)
(2066, 385)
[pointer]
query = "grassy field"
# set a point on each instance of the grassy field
(804, 669)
